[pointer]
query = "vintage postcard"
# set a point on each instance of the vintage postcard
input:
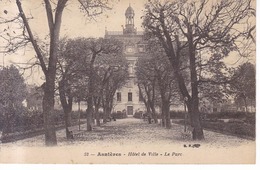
(128, 82)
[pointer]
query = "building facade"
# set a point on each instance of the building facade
(127, 98)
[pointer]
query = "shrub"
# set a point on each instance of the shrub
(250, 118)
(229, 115)
(24, 120)
(119, 115)
(246, 117)
(138, 115)
(234, 128)
(75, 115)
(177, 114)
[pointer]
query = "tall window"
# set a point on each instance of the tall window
(118, 96)
(130, 97)
(130, 69)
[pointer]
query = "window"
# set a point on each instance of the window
(118, 96)
(141, 48)
(130, 69)
(130, 97)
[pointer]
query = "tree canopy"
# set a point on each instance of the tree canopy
(208, 31)
(12, 95)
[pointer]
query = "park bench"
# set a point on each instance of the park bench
(77, 134)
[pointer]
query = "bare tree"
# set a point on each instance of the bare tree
(54, 11)
(69, 70)
(113, 75)
(199, 26)
(97, 47)
(146, 80)
(155, 74)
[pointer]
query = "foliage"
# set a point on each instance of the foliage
(34, 97)
(177, 114)
(243, 86)
(91, 69)
(231, 115)
(46, 49)
(156, 80)
(119, 115)
(12, 86)
(138, 115)
(12, 94)
(209, 31)
(238, 129)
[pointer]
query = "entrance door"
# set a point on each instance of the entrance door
(130, 110)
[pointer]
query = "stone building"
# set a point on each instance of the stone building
(127, 98)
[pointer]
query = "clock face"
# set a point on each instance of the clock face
(129, 49)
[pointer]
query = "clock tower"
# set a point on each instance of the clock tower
(127, 98)
(129, 21)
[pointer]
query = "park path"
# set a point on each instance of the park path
(130, 138)
(131, 131)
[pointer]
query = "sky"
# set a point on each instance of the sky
(74, 24)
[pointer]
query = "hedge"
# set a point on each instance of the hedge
(119, 115)
(237, 129)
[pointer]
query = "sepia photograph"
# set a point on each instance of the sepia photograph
(127, 82)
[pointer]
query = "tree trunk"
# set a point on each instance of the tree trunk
(6, 127)
(67, 106)
(90, 109)
(165, 108)
(192, 101)
(154, 114)
(67, 124)
(197, 133)
(97, 116)
(97, 101)
(245, 101)
(163, 117)
(106, 104)
(89, 115)
(79, 113)
(89, 112)
(48, 115)
(107, 111)
(149, 115)
(167, 115)
(194, 118)
(54, 23)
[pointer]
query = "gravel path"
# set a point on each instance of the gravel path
(131, 141)
(133, 131)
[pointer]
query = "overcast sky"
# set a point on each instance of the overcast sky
(74, 24)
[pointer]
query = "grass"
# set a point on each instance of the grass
(242, 130)
(238, 129)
